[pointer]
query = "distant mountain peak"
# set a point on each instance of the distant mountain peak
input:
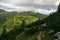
(1, 10)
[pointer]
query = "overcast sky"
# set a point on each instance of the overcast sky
(42, 6)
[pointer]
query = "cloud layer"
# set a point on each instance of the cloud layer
(43, 6)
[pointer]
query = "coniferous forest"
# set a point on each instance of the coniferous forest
(29, 25)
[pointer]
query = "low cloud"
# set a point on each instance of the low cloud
(43, 6)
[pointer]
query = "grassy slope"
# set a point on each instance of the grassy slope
(13, 19)
(10, 20)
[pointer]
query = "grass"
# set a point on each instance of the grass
(1, 30)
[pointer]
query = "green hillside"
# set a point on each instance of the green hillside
(14, 20)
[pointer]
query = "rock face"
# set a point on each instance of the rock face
(58, 35)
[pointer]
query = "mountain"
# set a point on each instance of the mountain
(11, 19)
(14, 28)
(2, 11)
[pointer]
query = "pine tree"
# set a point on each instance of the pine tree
(58, 8)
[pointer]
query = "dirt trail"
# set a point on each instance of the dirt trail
(39, 37)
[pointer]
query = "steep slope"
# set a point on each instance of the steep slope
(14, 19)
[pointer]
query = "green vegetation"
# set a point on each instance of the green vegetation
(15, 26)
(28, 25)
(53, 23)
